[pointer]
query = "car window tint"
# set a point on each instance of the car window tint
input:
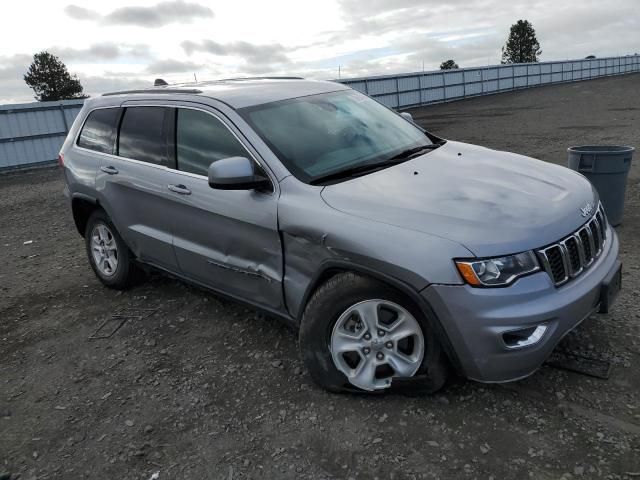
(99, 131)
(202, 139)
(142, 135)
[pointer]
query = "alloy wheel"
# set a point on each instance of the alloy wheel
(104, 249)
(374, 341)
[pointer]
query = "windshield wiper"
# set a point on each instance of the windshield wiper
(359, 170)
(411, 152)
(354, 171)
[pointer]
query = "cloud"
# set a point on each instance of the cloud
(408, 32)
(12, 70)
(369, 8)
(14, 65)
(101, 52)
(379, 17)
(250, 53)
(163, 13)
(97, 85)
(81, 13)
(172, 66)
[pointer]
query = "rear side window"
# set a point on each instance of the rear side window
(99, 130)
(143, 135)
(202, 139)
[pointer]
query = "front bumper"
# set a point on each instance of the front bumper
(475, 319)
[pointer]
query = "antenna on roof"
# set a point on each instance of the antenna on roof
(158, 82)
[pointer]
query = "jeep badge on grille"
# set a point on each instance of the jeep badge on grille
(587, 209)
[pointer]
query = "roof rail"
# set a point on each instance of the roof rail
(154, 90)
(159, 86)
(260, 78)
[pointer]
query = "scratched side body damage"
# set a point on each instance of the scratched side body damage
(316, 238)
(230, 240)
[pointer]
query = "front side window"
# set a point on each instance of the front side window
(202, 139)
(99, 130)
(319, 135)
(143, 135)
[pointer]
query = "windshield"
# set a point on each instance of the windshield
(319, 135)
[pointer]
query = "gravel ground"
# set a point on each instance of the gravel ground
(205, 388)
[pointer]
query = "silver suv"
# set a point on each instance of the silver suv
(398, 255)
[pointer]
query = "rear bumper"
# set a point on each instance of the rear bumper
(475, 319)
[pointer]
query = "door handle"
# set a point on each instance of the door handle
(181, 189)
(109, 170)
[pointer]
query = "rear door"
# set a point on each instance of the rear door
(225, 239)
(133, 183)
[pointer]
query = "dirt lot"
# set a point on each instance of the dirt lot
(204, 388)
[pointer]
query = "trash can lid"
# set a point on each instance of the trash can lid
(596, 149)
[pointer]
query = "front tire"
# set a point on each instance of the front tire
(109, 256)
(359, 335)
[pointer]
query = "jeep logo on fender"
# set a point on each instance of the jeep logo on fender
(587, 209)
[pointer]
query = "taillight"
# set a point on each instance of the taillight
(61, 160)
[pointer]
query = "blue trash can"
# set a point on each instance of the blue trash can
(607, 168)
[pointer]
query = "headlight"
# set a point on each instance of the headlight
(497, 272)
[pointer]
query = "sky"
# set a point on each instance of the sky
(127, 44)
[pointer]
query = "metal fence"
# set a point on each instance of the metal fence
(424, 88)
(32, 133)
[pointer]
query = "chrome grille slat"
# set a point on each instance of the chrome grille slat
(597, 235)
(592, 242)
(569, 257)
(565, 261)
(574, 263)
(587, 244)
(601, 224)
(583, 260)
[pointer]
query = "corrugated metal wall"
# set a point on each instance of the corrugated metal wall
(32, 133)
(422, 88)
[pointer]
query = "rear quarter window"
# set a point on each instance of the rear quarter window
(99, 130)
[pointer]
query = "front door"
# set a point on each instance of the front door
(225, 239)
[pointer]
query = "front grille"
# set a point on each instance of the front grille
(569, 257)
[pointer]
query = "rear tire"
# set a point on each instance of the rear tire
(109, 256)
(337, 298)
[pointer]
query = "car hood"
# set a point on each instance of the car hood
(492, 202)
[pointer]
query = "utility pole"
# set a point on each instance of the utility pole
(194, 77)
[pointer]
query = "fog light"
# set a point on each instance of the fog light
(524, 337)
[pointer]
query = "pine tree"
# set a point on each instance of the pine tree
(522, 45)
(50, 79)
(448, 65)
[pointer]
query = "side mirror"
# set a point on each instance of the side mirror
(237, 173)
(407, 116)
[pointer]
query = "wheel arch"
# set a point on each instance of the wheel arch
(82, 206)
(330, 268)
